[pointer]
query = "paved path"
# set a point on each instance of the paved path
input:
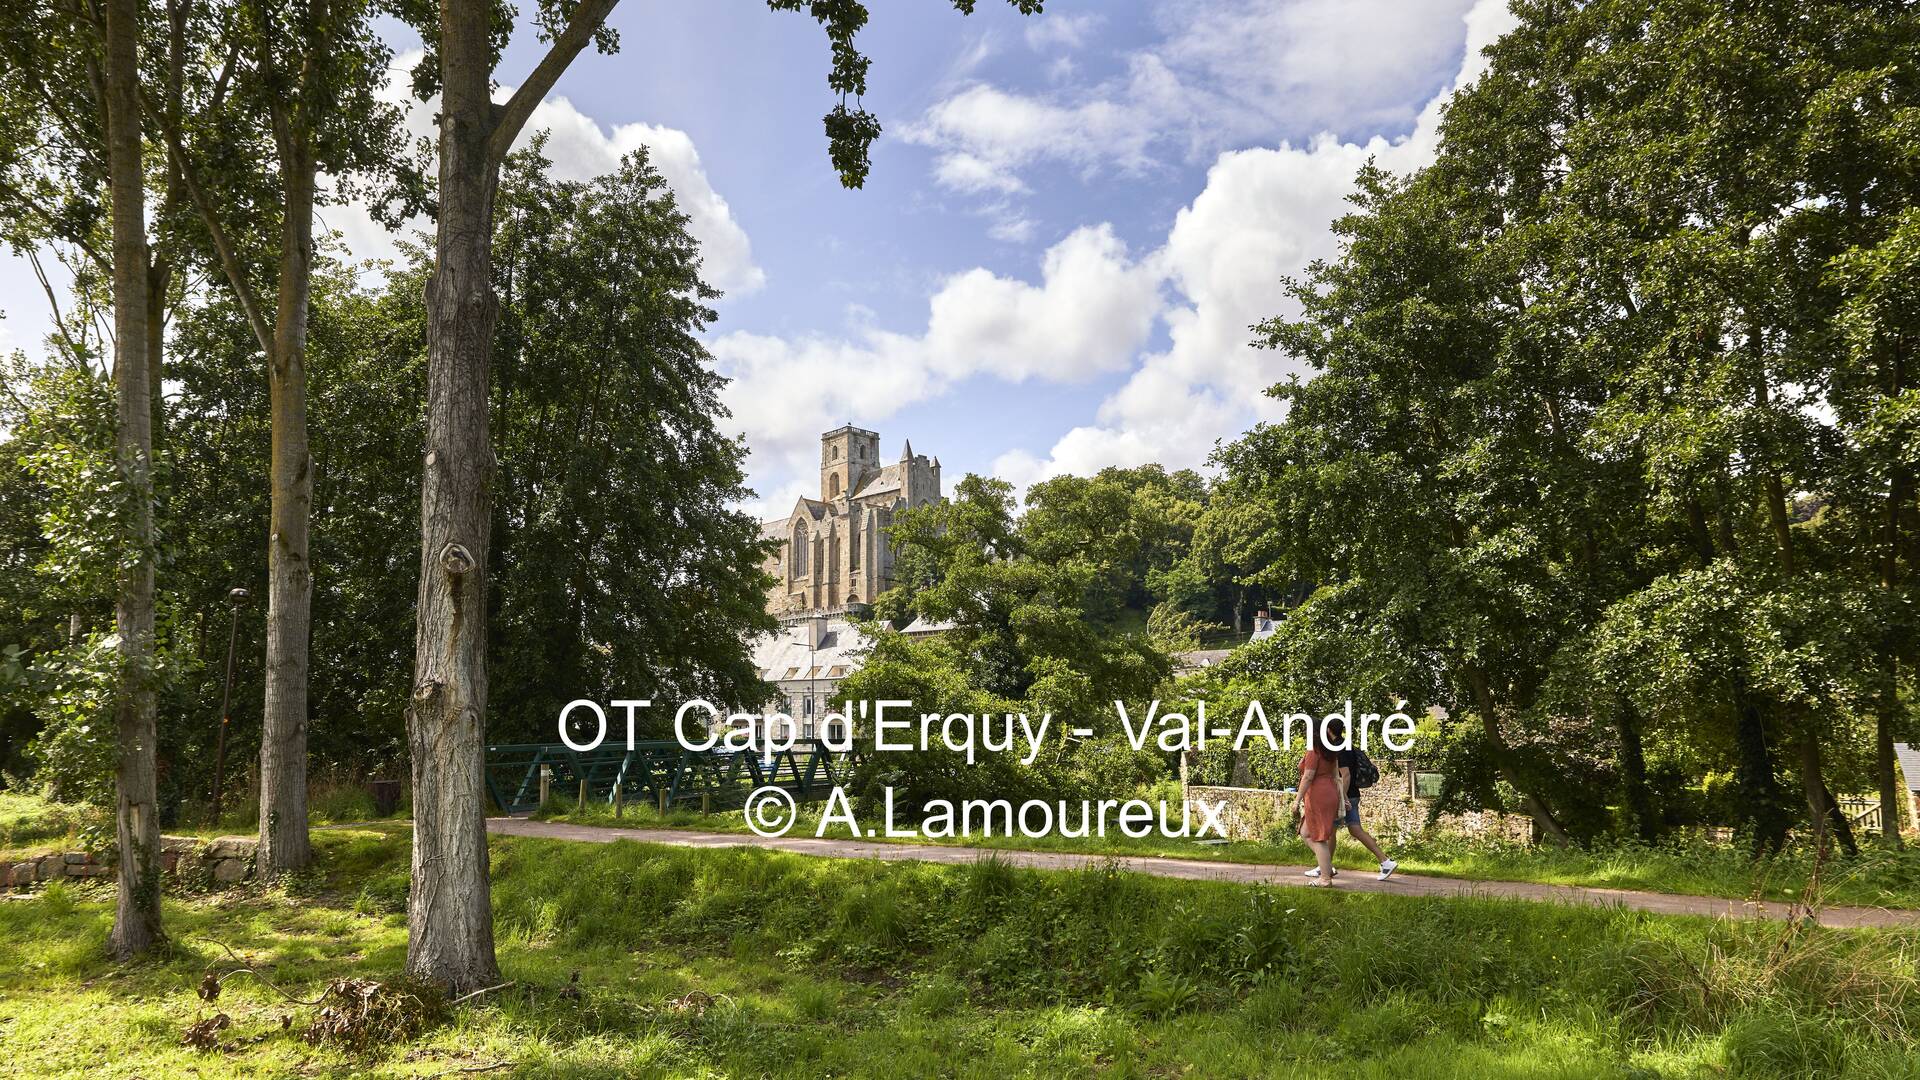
(1203, 870)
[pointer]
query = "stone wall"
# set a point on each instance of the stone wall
(1392, 816)
(224, 860)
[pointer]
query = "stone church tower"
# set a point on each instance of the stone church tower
(833, 554)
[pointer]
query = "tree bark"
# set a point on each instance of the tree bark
(284, 842)
(449, 911)
(1544, 823)
(1633, 773)
(1813, 783)
(1888, 713)
(1763, 805)
(136, 921)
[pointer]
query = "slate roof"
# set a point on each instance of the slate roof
(1909, 764)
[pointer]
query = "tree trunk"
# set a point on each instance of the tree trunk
(1633, 774)
(449, 912)
(1814, 784)
(1883, 763)
(1544, 822)
(136, 920)
(1888, 713)
(284, 843)
(1762, 802)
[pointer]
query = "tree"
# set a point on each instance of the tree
(308, 74)
(136, 920)
(449, 917)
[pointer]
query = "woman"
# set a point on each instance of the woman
(1321, 802)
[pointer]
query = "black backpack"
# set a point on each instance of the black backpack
(1365, 772)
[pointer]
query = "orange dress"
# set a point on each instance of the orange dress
(1320, 800)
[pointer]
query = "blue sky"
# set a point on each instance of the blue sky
(1070, 222)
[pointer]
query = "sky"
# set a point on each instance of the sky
(1071, 223)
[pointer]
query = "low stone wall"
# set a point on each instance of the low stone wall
(1253, 813)
(224, 859)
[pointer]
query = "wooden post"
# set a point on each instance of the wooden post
(546, 780)
(706, 802)
(663, 801)
(619, 800)
(582, 804)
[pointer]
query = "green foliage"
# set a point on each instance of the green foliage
(622, 565)
(1565, 444)
(1030, 634)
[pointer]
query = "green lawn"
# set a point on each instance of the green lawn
(1876, 878)
(753, 963)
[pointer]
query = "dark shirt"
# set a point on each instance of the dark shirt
(1350, 760)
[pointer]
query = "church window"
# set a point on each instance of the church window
(833, 486)
(799, 556)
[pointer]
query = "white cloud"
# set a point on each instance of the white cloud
(1060, 31)
(580, 149)
(1090, 313)
(1263, 214)
(1226, 72)
(984, 135)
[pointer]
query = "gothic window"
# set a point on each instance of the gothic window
(799, 557)
(833, 486)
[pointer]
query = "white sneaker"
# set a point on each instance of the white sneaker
(1315, 872)
(1387, 868)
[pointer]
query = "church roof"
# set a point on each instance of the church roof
(887, 479)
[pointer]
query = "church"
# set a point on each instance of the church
(833, 557)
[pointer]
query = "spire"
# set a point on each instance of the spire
(906, 450)
(936, 462)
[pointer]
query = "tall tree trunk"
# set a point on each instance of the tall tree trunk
(1544, 823)
(449, 912)
(1763, 805)
(1633, 773)
(1887, 715)
(284, 843)
(136, 920)
(1814, 784)
(1883, 763)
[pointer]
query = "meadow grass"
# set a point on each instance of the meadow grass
(1874, 878)
(642, 960)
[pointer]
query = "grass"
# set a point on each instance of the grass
(1875, 878)
(30, 826)
(755, 963)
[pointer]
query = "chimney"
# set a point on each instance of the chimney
(816, 630)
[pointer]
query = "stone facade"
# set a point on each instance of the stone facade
(225, 859)
(833, 556)
(1390, 810)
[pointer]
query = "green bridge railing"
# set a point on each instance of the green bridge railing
(717, 779)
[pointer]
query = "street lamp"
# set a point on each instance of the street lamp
(238, 599)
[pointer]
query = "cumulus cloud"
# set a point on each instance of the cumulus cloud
(1090, 313)
(580, 149)
(1263, 215)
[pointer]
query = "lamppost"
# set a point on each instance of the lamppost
(238, 599)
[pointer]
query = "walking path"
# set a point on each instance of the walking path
(1202, 870)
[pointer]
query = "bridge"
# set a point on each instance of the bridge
(661, 773)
